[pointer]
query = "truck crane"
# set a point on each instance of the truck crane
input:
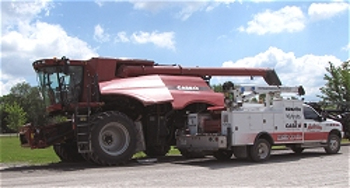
(117, 107)
(248, 131)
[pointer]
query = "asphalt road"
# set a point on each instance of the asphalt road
(311, 169)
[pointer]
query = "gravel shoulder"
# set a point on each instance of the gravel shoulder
(313, 168)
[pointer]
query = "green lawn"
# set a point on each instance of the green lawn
(12, 152)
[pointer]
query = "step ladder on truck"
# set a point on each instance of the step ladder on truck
(249, 130)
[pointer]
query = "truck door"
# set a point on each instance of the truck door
(314, 130)
(288, 123)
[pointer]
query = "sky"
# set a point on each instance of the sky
(296, 38)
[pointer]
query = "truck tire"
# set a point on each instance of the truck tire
(223, 155)
(260, 151)
(333, 144)
(68, 152)
(113, 138)
(191, 154)
(297, 149)
(157, 151)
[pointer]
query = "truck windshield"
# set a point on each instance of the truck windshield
(60, 85)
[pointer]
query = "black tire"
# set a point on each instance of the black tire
(333, 144)
(68, 152)
(113, 139)
(157, 151)
(88, 158)
(260, 151)
(191, 154)
(223, 155)
(297, 149)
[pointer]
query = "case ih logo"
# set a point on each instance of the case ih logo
(187, 88)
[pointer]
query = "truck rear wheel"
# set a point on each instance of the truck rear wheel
(113, 138)
(223, 155)
(333, 144)
(260, 151)
(68, 152)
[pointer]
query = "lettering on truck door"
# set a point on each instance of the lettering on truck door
(313, 127)
(291, 130)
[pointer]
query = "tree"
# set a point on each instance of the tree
(29, 99)
(16, 116)
(217, 88)
(337, 88)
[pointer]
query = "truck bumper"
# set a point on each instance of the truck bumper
(201, 143)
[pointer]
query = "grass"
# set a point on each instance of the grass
(12, 152)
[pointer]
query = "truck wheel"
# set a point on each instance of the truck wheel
(260, 151)
(333, 144)
(191, 154)
(296, 149)
(113, 138)
(157, 151)
(68, 152)
(223, 155)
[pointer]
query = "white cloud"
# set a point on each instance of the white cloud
(7, 81)
(307, 70)
(288, 19)
(320, 11)
(163, 40)
(24, 38)
(23, 11)
(187, 8)
(153, 6)
(100, 35)
(121, 37)
(346, 48)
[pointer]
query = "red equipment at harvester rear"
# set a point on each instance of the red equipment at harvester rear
(117, 107)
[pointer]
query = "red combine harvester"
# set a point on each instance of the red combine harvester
(117, 107)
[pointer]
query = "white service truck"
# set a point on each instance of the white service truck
(248, 131)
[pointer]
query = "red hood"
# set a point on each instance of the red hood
(179, 90)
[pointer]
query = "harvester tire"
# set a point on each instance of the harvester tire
(113, 138)
(68, 152)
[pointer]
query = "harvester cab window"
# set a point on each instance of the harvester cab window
(59, 86)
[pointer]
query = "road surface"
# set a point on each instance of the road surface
(311, 169)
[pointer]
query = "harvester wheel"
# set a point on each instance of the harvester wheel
(113, 138)
(68, 152)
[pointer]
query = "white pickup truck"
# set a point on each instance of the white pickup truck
(250, 130)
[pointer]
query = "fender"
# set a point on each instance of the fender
(266, 136)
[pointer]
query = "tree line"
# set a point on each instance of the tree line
(24, 103)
